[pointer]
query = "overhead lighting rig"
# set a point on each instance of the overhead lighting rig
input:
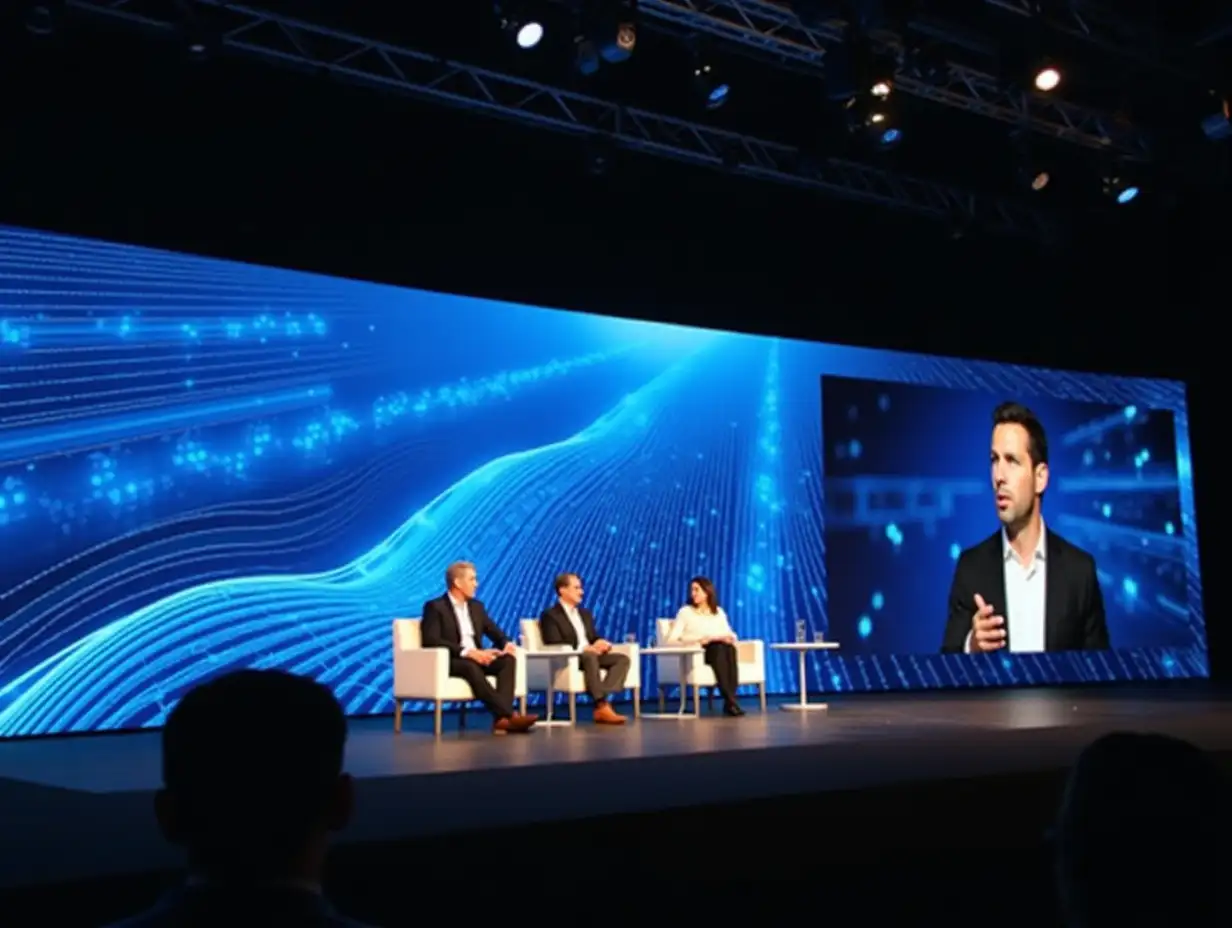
(296, 42)
(608, 34)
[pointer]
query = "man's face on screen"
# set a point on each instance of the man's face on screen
(1016, 482)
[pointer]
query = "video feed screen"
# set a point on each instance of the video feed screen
(918, 478)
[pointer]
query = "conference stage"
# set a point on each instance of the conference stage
(80, 807)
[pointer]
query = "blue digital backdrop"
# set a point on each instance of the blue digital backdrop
(206, 465)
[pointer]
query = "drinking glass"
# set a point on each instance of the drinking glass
(801, 635)
(818, 637)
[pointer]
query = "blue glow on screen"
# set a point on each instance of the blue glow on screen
(898, 516)
(206, 465)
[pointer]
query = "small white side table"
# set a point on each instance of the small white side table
(802, 648)
(684, 653)
(551, 655)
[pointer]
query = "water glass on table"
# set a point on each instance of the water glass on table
(801, 631)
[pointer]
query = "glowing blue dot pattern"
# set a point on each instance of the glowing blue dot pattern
(206, 465)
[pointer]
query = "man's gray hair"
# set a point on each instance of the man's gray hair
(456, 570)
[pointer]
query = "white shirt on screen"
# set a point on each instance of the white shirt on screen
(466, 628)
(579, 628)
(691, 626)
(1024, 596)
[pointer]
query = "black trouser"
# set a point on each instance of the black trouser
(617, 667)
(721, 657)
(498, 700)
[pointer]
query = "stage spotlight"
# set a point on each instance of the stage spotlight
(876, 120)
(1121, 189)
(711, 88)
(1047, 79)
(529, 35)
(615, 26)
(889, 137)
(882, 89)
(1040, 180)
(524, 29)
(608, 33)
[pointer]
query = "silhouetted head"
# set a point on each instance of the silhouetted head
(702, 594)
(1141, 834)
(252, 774)
(569, 588)
(1018, 460)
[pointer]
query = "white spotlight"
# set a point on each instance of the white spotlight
(530, 34)
(1047, 79)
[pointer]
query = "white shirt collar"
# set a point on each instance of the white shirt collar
(457, 603)
(1041, 548)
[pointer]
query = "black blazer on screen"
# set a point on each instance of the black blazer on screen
(1073, 606)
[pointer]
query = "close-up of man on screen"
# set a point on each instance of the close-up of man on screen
(1025, 588)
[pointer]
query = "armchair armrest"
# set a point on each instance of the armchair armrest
(633, 651)
(420, 673)
(750, 651)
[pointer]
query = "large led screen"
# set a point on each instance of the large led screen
(206, 465)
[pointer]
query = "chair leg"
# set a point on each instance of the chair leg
(697, 700)
(662, 701)
(761, 687)
(572, 708)
(397, 716)
(436, 719)
(462, 716)
(637, 702)
(709, 699)
(522, 703)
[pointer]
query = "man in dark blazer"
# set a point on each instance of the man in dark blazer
(568, 623)
(458, 623)
(1025, 589)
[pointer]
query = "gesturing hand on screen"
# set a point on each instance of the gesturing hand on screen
(987, 630)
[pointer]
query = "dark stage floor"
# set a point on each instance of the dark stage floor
(65, 801)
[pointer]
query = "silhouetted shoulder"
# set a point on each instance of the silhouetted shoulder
(286, 909)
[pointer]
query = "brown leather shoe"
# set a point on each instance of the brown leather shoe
(606, 715)
(514, 725)
(521, 724)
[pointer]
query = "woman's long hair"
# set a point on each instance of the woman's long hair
(712, 598)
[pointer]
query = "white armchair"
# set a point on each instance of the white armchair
(565, 675)
(423, 674)
(750, 667)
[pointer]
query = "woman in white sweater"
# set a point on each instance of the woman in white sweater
(703, 622)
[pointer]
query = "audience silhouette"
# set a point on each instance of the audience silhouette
(1141, 836)
(253, 786)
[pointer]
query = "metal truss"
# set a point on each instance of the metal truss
(288, 41)
(773, 29)
(1102, 28)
